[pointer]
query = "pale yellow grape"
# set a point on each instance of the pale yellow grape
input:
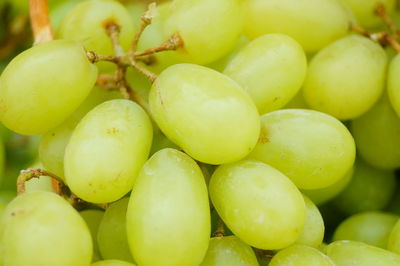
(92, 218)
(320, 196)
(372, 228)
(259, 204)
(111, 236)
(271, 69)
(53, 143)
(229, 250)
(314, 228)
(313, 149)
(364, 10)
(205, 113)
(86, 23)
(43, 85)
(112, 263)
(394, 83)
(42, 183)
(209, 28)
(299, 255)
(353, 253)
(377, 135)
(106, 151)
(313, 23)
(346, 78)
(41, 228)
(394, 239)
(59, 11)
(168, 218)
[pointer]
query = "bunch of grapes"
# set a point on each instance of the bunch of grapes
(200, 132)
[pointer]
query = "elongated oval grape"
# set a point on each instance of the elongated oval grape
(112, 263)
(271, 69)
(349, 253)
(34, 96)
(394, 238)
(41, 228)
(168, 212)
(313, 149)
(111, 236)
(258, 203)
(229, 250)
(215, 37)
(205, 113)
(372, 228)
(92, 218)
(365, 11)
(394, 83)
(370, 189)
(346, 78)
(313, 23)
(299, 255)
(106, 151)
(377, 135)
(314, 229)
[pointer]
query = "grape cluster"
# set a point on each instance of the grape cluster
(200, 132)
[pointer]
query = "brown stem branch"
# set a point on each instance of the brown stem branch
(381, 12)
(149, 75)
(145, 21)
(95, 57)
(172, 43)
(113, 30)
(40, 21)
(264, 254)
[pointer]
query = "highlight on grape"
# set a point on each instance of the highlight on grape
(199, 132)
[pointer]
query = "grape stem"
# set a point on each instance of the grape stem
(40, 21)
(145, 21)
(172, 43)
(220, 232)
(381, 12)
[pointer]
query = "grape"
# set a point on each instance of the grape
(377, 135)
(346, 78)
(41, 228)
(229, 250)
(313, 230)
(313, 23)
(372, 228)
(111, 236)
(6, 196)
(50, 97)
(112, 263)
(394, 238)
(106, 151)
(313, 149)
(393, 83)
(168, 217)
(205, 113)
(42, 183)
(369, 190)
(259, 204)
(365, 11)
(205, 39)
(58, 12)
(348, 253)
(263, 66)
(92, 219)
(321, 196)
(299, 255)
(86, 23)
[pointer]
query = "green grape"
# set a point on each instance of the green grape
(394, 238)
(297, 102)
(53, 143)
(41, 228)
(229, 250)
(136, 9)
(313, 230)
(299, 255)
(349, 253)
(313, 23)
(168, 217)
(205, 113)
(6, 196)
(258, 203)
(346, 78)
(370, 189)
(59, 76)
(111, 236)
(323, 195)
(58, 12)
(106, 151)
(92, 219)
(112, 263)
(313, 149)
(394, 83)
(205, 39)
(263, 66)
(364, 10)
(86, 23)
(42, 183)
(372, 228)
(323, 247)
(377, 135)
